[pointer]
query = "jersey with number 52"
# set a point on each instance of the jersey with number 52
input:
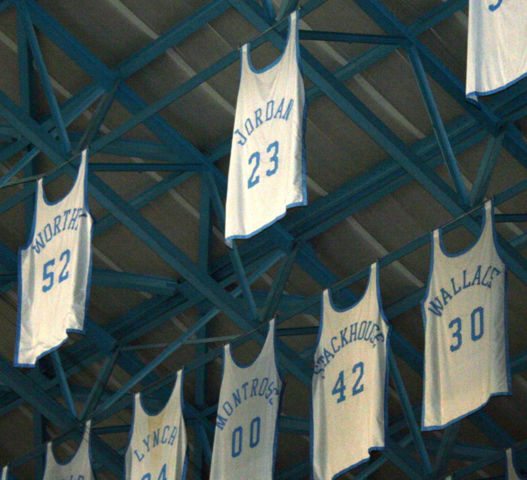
(349, 383)
(54, 269)
(465, 335)
(245, 434)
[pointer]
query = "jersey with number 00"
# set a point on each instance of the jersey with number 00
(158, 445)
(349, 383)
(497, 45)
(54, 269)
(465, 329)
(77, 468)
(266, 170)
(245, 433)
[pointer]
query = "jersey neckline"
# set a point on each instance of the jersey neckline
(168, 402)
(79, 448)
(72, 188)
(276, 61)
(264, 346)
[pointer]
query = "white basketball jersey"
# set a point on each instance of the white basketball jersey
(497, 46)
(245, 434)
(158, 443)
(511, 471)
(349, 383)
(465, 329)
(4, 473)
(266, 170)
(54, 270)
(77, 468)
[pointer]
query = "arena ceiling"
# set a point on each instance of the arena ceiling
(393, 151)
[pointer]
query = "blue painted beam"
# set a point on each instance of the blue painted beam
(445, 448)
(44, 75)
(438, 125)
(488, 162)
(63, 382)
(37, 397)
(145, 167)
(350, 37)
(133, 281)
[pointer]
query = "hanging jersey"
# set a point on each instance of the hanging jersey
(245, 433)
(465, 326)
(158, 444)
(266, 170)
(4, 473)
(511, 471)
(77, 468)
(497, 47)
(349, 383)
(54, 270)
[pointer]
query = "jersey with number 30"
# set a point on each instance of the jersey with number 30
(465, 329)
(158, 444)
(349, 383)
(54, 269)
(266, 170)
(245, 434)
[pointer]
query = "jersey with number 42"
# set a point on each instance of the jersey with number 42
(465, 329)
(349, 383)
(54, 270)
(245, 434)
(266, 170)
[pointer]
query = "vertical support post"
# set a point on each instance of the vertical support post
(445, 448)
(205, 233)
(409, 413)
(277, 289)
(488, 162)
(233, 252)
(437, 124)
(63, 381)
(39, 437)
(44, 76)
(98, 387)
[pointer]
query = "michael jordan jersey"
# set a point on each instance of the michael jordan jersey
(158, 444)
(465, 329)
(349, 383)
(266, 170)
(245, 434)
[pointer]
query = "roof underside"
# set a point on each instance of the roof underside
(151, 86)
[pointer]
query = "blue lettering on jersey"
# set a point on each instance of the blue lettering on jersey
(365, 331)
(165, 435)
(482, 277)
(73, 476)
(256, 388)
(68, 220)
(271, 111)
(495, 6)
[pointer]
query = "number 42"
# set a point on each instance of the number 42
(340, 387)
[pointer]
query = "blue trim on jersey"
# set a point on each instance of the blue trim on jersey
(239, 365)
(505, 319)
(303, 201)
(473, 96)
(386, 375)
(274, 62)
(56, 202)
(454, 255)
(82, 331)
(67, 462)
(275, 440)
(182, 406)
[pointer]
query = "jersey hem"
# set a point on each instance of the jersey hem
(473, 95)
(461, 417)
(230, 238)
